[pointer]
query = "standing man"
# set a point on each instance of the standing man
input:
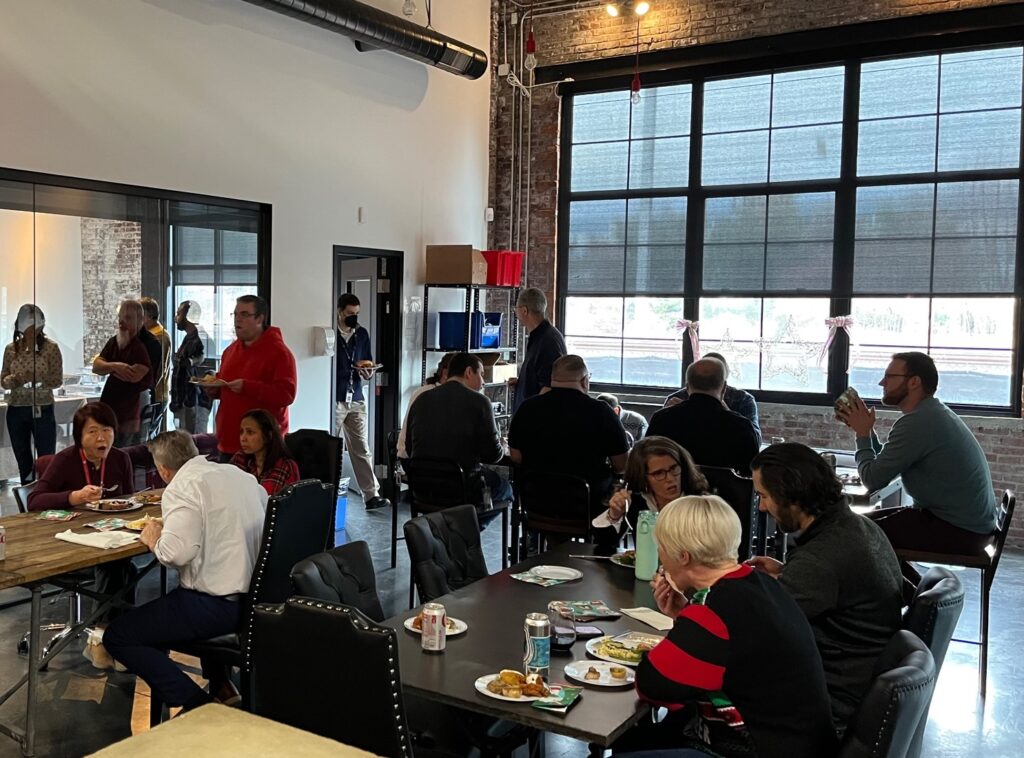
(544, 346)
(161, 371)
(354, 355)
(257, 371)
(125, 362)
(189, 404)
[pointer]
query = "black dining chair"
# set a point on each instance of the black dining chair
(328, 669)
(298, 523)
(738, 491)
(555, 504)
(342, 575)
(896, 702)
(396, 478)
(21, 493)
(445, 551)
(986, 560)
(318, 456)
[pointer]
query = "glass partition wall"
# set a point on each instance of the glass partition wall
(75, 249)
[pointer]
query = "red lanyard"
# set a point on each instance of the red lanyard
(85, 469)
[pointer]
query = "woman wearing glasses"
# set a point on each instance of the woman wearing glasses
(658, 471)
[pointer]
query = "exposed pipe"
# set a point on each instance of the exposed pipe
(375, 28)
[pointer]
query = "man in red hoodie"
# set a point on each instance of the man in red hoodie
(257, 371)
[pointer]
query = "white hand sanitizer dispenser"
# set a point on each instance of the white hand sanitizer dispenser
(323, 340)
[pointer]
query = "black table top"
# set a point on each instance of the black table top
(495, 608)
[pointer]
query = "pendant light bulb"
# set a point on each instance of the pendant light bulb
(409, 8)
(613, 9)
(530, 62)
(634, 95)
(641, 8)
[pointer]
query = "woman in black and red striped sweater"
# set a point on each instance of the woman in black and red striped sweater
(739, 672)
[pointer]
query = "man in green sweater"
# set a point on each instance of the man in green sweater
(943, 467)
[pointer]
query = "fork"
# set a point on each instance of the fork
(111, 488)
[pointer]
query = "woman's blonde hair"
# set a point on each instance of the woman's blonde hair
(705, 526)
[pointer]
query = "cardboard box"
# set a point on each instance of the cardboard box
(455, 264)
(495, 368)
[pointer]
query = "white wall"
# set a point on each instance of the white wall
(224, 98)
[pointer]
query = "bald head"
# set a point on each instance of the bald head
(570, 371)
(706, 376)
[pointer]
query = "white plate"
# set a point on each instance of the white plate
(460, 626)
(199, 382)
(578, 669)
(629, 637)
(97, 505)
(617, 560)
(563, 573)
(481, 687)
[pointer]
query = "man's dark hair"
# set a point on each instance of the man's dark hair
(258, 305)
(347, 299)
(795, 475)
(461, 361)
(99, 412)
(922, 366)
(151, 308)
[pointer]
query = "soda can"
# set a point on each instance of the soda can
(434, 630)
(831, 460)
(3, 543)
(537, 655)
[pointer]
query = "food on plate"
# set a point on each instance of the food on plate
(114, 505)
(630, 654)
(513, 684)
(592, 674)
(364, 364)
(417, 623)
(628, 557)
(617, 672)
(148, 498)
(140, 523)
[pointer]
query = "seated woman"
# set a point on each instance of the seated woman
(263, 453)
(739, 671)
(658, 471)
(88, 471)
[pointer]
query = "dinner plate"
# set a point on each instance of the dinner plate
(619, 560)
(133, 529)
(563, 573)
(578, 670)
(460, 626)
(97, 506)
(216, 383)
(481, 687)
(594, 645)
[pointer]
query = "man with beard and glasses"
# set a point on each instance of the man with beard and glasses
(189, 404)
(842, 573)
(943, 467)
(125, 362)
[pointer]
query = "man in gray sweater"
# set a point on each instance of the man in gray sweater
(456, 421)
(943, 467)
(842, 573)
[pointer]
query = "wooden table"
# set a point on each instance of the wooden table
(495, 608)
(863, 500)
(36, 557)
(216, 731)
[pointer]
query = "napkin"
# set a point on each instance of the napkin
(658, 620)
(530, 578)
(104, 540)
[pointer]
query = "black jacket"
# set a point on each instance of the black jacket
(710, 432)
(544, 346)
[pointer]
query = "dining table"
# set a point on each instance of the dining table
(494, 609)
(34, 558)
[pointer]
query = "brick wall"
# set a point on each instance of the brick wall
(111, 271)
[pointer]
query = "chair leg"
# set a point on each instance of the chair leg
(504, 539)
(394, 527)
(986, 585)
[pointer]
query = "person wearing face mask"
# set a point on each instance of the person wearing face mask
(125, 362)
(729, 622)
(189, 404)
(32, 369)
(354, 365)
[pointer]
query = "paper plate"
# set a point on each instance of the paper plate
(578, 670)
(459, 626)
(564, 573)
(481, 687)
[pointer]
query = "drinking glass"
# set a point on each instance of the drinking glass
(563, 630)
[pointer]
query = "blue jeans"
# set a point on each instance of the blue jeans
(500, 488)
(22, 427)
(141, 638)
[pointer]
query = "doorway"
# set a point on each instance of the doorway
(375, 277)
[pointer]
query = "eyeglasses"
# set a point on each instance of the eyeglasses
(243, 314)
(894, 376)
(660, 474)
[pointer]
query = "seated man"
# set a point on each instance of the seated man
(565, 431)
(710, 432)
(211, 531)
(634, 423)
(456, 421)
(735, 399)
(943, 467)
(843, 573)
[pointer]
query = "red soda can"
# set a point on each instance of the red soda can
(432, 638)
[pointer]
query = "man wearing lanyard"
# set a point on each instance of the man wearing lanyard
(350, 409)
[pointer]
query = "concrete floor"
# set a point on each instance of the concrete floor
(82, 709)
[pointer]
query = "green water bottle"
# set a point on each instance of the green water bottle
(646, 549)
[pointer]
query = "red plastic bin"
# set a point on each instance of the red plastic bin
(494, 268)
(504, 267)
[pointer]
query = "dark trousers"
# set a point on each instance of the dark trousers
(22, 427)
(141, 638)
(501, 490)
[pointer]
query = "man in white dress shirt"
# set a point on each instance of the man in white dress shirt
(212, 526)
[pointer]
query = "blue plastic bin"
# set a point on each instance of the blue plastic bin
(339, 512)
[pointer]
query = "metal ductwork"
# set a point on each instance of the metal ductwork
(373, 28)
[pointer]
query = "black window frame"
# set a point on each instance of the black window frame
(879, 40)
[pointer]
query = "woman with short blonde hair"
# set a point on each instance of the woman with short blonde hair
(705, 526)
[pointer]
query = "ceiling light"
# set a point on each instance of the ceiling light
(613, 9)
(641, 7)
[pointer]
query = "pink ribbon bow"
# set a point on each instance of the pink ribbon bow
(834, 324)
(684, 326)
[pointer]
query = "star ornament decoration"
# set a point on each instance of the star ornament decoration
(778, 352)
(736, 353)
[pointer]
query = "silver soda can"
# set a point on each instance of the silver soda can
(3, 543)
(537, 655)
(434, 630)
